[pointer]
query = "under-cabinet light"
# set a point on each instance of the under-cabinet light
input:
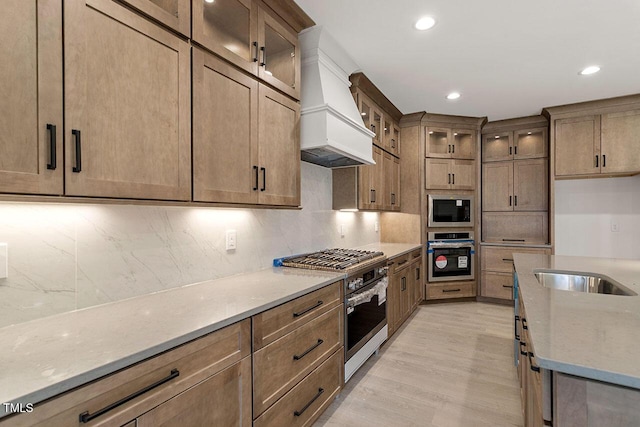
(209, 1)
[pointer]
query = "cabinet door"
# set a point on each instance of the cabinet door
(438, 143)
(621, 142)
(378, 179)
(387, 132)
(530, 143)
(417, 283)
(497, 147)
(127, 105)
(221, 400)
(463, 174)
(515, 227)
(395, 139)
(497, 186)
(366, 111)
(377, 125)
(387, 161)
(437, 174)
(464, 144)
(225, 133)
(279, 63)
(530, 185)
(406, 284)
(228, 28)
(395, 184)
(366, 192)
(278, 148)
(577, 143)
(175, 14)
(31, 102)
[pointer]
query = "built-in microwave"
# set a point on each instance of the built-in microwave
(450, 211)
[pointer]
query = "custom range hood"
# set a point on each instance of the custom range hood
(332, 133)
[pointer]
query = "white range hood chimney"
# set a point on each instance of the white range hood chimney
(332, 133)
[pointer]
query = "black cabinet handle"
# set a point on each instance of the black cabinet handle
(449, 178)
(255, 170)
(509, 150)
(301, 411)
(453, 148)
(309, 350)
(507, 259)
(52, 146)
(515, 200)
(604, 160)
(393, 198)
(449, 148)
(513, 240)
(507, 286)
(85, 417)
(515, 327)
(451, 290)
(393, 143)
(373, 196)
(306, 310)
(534, 368)
(403, 262)
(78, 167)
(515, 150)
(524, 324)
(453, 178)
(509, 200)
(523, 344)
(264, 179)
(596, 161)
(263, 63)
(418, 273)
(403, 283)
(255, 57)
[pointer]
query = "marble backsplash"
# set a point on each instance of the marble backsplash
(64, 257)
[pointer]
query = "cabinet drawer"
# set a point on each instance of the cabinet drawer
(194, 361)
(500, 259)
(451, 290)
(497, 285)
(309, 398)
(515, 227)
(398, 263)
(280, 365)
(416, 254)
(277, 322)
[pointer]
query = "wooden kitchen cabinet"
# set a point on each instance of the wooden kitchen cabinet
(252, 155)
(450, 143)
(597, 138)
(448, 174)
(394, 141)
(417, 288)
(391, 166)
(252, 37)
(515, 227)
(127, 105)
(175, 14)
(527, 143)
(210, 375)
(404, 291)
(521, 185)
(31, 156)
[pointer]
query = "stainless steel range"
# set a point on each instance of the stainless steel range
(365, 296)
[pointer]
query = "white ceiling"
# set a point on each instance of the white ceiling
(508, 58)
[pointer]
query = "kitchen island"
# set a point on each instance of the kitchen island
(583, 346)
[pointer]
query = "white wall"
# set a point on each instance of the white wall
(585, 210)
(68, 256)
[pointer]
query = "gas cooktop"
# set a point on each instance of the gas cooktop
(330, 259)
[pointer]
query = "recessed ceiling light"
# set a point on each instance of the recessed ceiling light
(592, 69)
(425, 23)
(453, 95)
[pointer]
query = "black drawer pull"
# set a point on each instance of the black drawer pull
(452, 290)
(523, 344)
(403, 262)
(309, 350)
(513, 240)
(507, 286)
(52, 146)
(507, 259)
(306, 310)
(301, 411)
(534, 368)
(515, 327)
(78, 167)
(85, 417)
(524, 324)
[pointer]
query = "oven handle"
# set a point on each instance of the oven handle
(451, 245)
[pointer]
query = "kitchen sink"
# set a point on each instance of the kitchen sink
(581, 282)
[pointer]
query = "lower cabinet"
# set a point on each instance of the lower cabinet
(515, 227)
(447, 290)
(405, 288)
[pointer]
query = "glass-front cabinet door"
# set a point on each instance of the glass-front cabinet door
(279, 53)
(438, 142)
(228, 28)
(464, 144)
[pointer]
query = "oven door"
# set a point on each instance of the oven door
(450, 261)
(366, 311)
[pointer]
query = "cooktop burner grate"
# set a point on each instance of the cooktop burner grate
(329, 259)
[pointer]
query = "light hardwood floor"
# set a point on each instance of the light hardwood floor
(448, 365)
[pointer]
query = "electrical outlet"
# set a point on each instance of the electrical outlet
(4, 260)
(376, 226)
(231, 242)
(615, 227)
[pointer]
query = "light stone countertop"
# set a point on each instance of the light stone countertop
(588, 335)
(44, 357)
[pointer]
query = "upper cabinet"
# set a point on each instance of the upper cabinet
(597, 138)
(450, 143)
(248, 34)
(174, 14)
(127, 105)
(31, 157)
(515, 145)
